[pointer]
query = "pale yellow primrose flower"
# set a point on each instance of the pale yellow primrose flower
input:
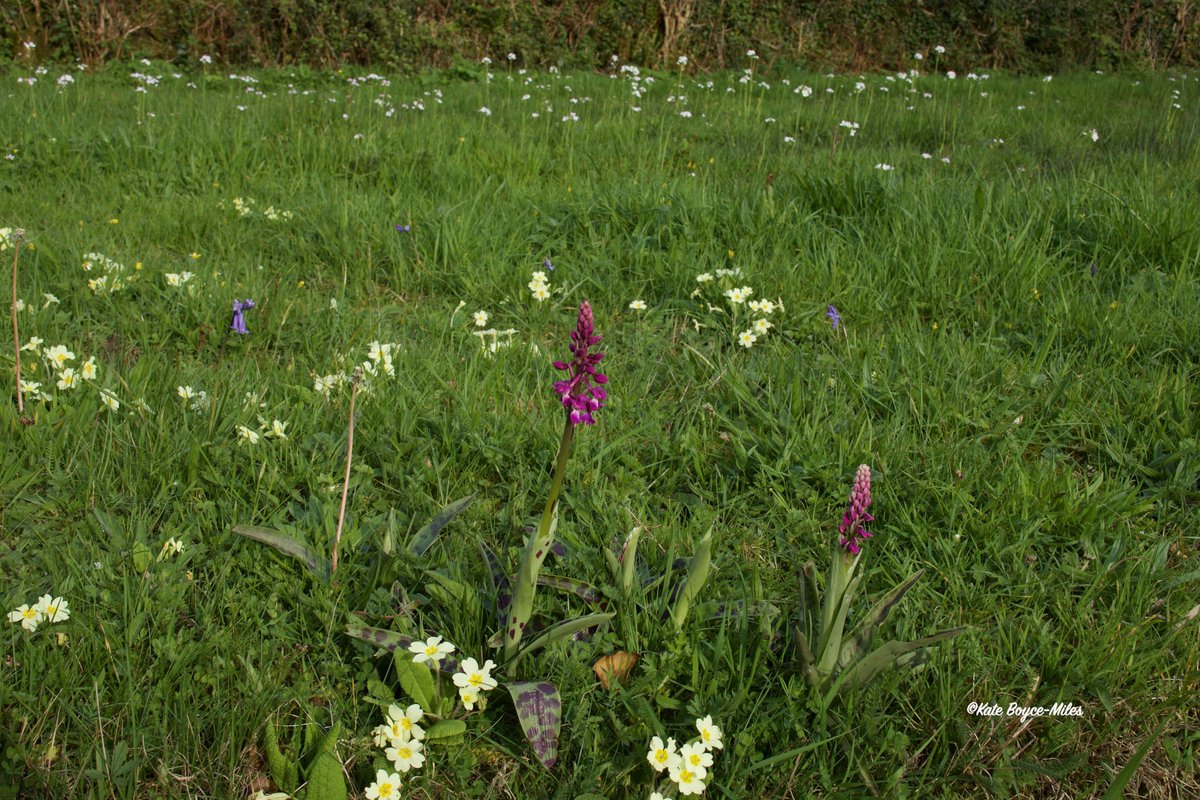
(67, 379)
(662, 756)
(53, 609)
(406, 755)
(762, 325)
(34, 345)
(432, 649)
(247, 435)
(688, 781)
(710, 735)
(637, 305)
(28, 617)
(385, 787)
(277, 429)
(475, 677)
(59, 355)
(403, 724)
(747, 339)
(481, 318)
(469, 697)
(696, 758)
(111, 401)
(88, 370)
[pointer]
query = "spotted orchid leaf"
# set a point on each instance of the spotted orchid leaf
(392, 641)
(585, 591)
(501, 584)
(539, 709)
(563, 629)
(424, 538)
(287, 545)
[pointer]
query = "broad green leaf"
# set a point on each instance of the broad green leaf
(424, 538)
(446, 728)
(865, 671)
(325, 779)
(561, 630)
(810, 599)
(288, 546)
(696, 577)
(859, 640)
(629, 562)
(539, 709)
(415, 679)
(831, 646)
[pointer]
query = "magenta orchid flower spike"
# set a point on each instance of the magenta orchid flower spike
(851, 526)
(582, 392)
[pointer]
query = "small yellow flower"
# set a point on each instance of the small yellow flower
(137, 266)
(935, 326)
(114, 221)
(300, 284)
(729, 253)
(1113, 305)
(195, 256)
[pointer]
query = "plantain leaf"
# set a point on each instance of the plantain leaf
(696, 577)
(561, 630)
(285, 772)
(424, 538)
(583, 590)
(859, 641)
(325, 779)
(539, 709)
(288, 546)
(415, 679)
(395, 642)
(885, 656)
(141, 556)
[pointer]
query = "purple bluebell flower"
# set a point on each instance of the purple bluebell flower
(238, 324)
(579, 396)
(851, 526)
(403, 228)
(834, 317)
(548, 265)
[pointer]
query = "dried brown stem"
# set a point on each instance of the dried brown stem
(337, 539)
(17, 237)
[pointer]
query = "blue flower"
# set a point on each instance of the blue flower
(238, 324)
(403, 228)
(834, 317)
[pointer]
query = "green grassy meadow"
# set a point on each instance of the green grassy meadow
(1016, 359)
